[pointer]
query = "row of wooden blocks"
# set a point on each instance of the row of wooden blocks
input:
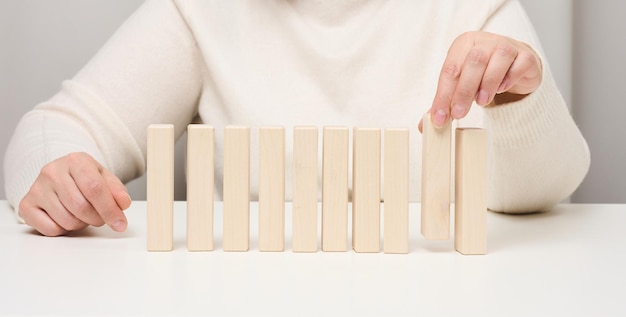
(470, 188)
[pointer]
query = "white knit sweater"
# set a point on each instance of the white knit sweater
(288, 63)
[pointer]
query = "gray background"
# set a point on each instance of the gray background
(45, 42)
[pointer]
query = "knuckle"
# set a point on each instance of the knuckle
(506, 50)
(527, 60)
(76, 157)
(49, 170)
(465, 93)
(451, 71)
(93, 188)
(79, 206)
(477, 56)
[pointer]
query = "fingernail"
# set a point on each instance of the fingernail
(440, 118)
(483, 97)
(119, 225)
(458, 111)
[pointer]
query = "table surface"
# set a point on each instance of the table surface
(568, 262)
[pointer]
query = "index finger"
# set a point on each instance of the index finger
(94, 187)
(448, 80)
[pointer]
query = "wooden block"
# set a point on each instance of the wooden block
(200, 177)
(272, 189)
(470, 212)
(304, 200)
(236, 233)
(366, 190)
(160, 187)
(436, 152)
(396, 191)
(335, 189)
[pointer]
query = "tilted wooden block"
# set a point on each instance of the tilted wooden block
(200, 182)
(304, 200)
(436, 149)
(271, 189)
(366, 190)
(236, 232)
(396, 191)
(335, 189)
(470, 234)
(160, 187)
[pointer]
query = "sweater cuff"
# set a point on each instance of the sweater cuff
(522, 123)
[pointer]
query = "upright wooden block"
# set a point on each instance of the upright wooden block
(304, 200)
(366, 190)
(335, 189)
(470, 225)
(236, 233)
(436, 148)
(272, 189)
(396, 191)
(160, 187)
(200, 182)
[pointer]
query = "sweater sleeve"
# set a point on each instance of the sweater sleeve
(148, 72)
(538, 154)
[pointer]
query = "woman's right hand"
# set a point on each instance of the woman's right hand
(73, 192)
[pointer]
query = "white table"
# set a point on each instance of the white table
(569, 262)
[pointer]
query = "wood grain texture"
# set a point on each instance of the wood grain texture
(396, 191)
(200, 184)
(304, 200)
(366, 190)
(470, 233)
(236, 232)
(436, 156)
(160, 187)
(272, 189)
(335, 157)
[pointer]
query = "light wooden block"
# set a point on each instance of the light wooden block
(200, 184)
(335, 189)
(160, 187)
(436, 152)
(396, 191)
(366, 190)
(304, 200)
(470, 226)
(236, 232)
(271, 189)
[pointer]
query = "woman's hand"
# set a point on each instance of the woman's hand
(483, 66)
(73, 192)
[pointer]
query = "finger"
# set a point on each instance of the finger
(37, 218)
(58, 213)
(42, 196)
(440, 110)
(74, 201)
(499, 64)
(41, 221)
(523, 76)
(119, 191)
(448, 79)
(88, 177)
(469, 81)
